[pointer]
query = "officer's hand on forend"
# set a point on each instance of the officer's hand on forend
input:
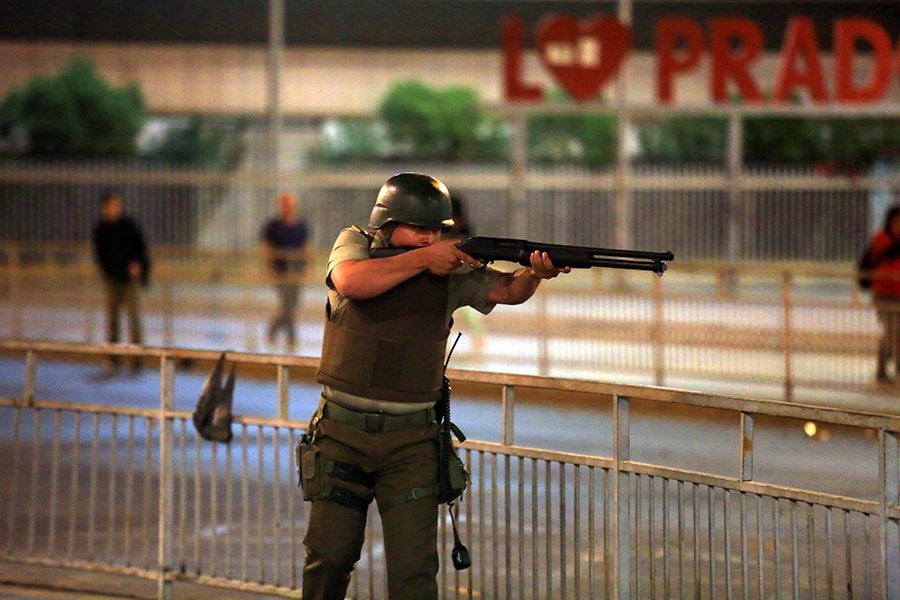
(543, 267)
(442, 258)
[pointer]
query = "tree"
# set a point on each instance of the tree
(196, 141)
(857, 144)
(783, 141)
(73, 114)
(441, 124)
(683, 140)
(580, 138)
(840, 144)
(351, 140)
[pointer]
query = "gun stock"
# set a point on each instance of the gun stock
(488, 249)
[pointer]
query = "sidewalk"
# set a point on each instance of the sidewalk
(22, 581)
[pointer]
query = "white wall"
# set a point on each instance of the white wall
(324, 81)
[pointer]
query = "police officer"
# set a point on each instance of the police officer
(374, 435)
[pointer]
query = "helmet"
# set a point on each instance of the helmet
(415, 199)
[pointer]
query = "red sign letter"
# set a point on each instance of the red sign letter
(514, 88)
(734, 65)
(582, 55)
(670, 59)
(800, 40)
(846, 32)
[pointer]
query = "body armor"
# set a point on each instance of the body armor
(390, 347)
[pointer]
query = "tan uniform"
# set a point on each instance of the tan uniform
(382, 368)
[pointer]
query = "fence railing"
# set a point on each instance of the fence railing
(790, 331)
(700, 213)
(128, 487)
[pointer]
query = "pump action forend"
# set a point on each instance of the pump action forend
(488, 249)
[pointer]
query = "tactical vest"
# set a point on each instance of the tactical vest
(390, 347)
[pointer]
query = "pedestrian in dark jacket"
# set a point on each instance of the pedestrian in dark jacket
(121, 253)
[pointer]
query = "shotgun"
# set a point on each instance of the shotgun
(488, 249)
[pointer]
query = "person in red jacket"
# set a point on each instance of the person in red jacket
(884, 254)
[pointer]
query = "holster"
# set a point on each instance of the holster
(316, 475)
(309, 476)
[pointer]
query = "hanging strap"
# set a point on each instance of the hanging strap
(413, 494)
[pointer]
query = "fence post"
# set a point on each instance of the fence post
(787, 334)
(15, 291)
(734, 182)
(543, 334)
(166, 477)
(518, 168)
(283, 386)
(889, 473)
(168, 325)
(507, 418)
(746, 466)
(621, 501)
(87, 299)
(30, 378)
(659, 342)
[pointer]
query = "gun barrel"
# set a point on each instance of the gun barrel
(616, 253)
(657, 266)
(579, 257)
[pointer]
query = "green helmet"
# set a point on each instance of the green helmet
(415, 199)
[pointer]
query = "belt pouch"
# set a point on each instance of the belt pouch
(308, 467)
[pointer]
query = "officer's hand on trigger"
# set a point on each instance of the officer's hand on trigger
(442, 258)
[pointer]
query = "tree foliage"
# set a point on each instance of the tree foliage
(586, 138)
(432, 123)
(841, 144)
(351, 140)
(73, 114)
(683, 140)
(780, 140)
(420, 123)
(197, 141)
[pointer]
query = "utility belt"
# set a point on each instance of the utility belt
(375, 422)
(321, 478)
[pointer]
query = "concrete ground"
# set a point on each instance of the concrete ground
(21, 581)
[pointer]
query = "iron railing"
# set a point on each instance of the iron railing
(126, 486)
(700, 213)
(788, 331)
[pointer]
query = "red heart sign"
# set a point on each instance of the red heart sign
(582, 55)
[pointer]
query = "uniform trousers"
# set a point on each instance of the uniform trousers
(398, 461)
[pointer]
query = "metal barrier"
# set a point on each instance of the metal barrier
(129, 488)
(778, 331)
(699, 212)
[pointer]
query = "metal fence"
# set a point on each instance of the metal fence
(128, 488)
(789, 331)
(762, 214)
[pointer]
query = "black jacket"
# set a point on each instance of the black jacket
(116, 245)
